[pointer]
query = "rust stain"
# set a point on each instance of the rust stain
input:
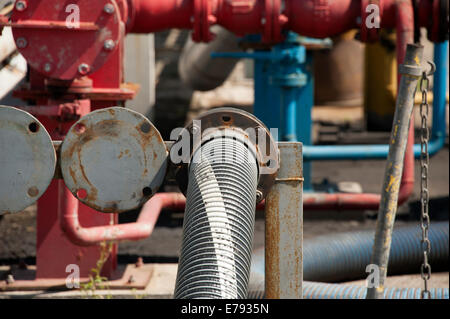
(92, 195)
(272, 240)
(74, 176)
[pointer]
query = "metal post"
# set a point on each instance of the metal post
(410, 72)
(284, 227)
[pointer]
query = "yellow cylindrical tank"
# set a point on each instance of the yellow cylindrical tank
(380, 82)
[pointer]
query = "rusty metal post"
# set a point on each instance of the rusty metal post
(284, 227)
(410, 71)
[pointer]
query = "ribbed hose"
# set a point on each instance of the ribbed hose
(318, 290)
(218, 222)
(345, 256)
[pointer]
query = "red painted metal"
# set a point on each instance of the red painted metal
(103, 88)
(65, 111)
(54, 251)
(58, 49)
(405, 35)
(142, 228)
(313, 18)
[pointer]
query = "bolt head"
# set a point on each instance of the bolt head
(47, 67)
(195, 129)
(263, 21)
(108, 8)
(259, 196)
(21, 5)
(21, 43)
(83, 69)
(109, 45)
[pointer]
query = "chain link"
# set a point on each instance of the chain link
(425, 269)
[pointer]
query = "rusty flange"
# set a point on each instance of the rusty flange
(113, 160)
(251, 129)
(27, 159)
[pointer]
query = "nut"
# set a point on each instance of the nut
(47, 67)
(259, 196)
(109, 45)
(83, 69)
(108, 8)
(21, 43)
(21, 5)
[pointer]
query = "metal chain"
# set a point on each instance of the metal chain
(425, 269)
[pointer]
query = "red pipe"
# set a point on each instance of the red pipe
(142, 228)
(321, 19)
(315, 18)
(404, 17)
(405, 35)
(151, 16)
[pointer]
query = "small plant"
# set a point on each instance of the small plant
(138, 296)
(96, 281)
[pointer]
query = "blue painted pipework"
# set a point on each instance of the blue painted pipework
(320, 290)
(344, 256)
(439, 100)
(284, 92)
(357, 152)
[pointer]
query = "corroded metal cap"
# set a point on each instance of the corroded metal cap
(27, 160)
(113, 160)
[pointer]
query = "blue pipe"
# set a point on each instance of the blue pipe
(439, 100)
(438, 134)
(319, 290)
(344, 256)
(289, 103)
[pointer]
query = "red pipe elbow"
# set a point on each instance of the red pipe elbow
(142, 228)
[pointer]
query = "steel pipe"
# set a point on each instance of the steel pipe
(202, 72)
(398, 153)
